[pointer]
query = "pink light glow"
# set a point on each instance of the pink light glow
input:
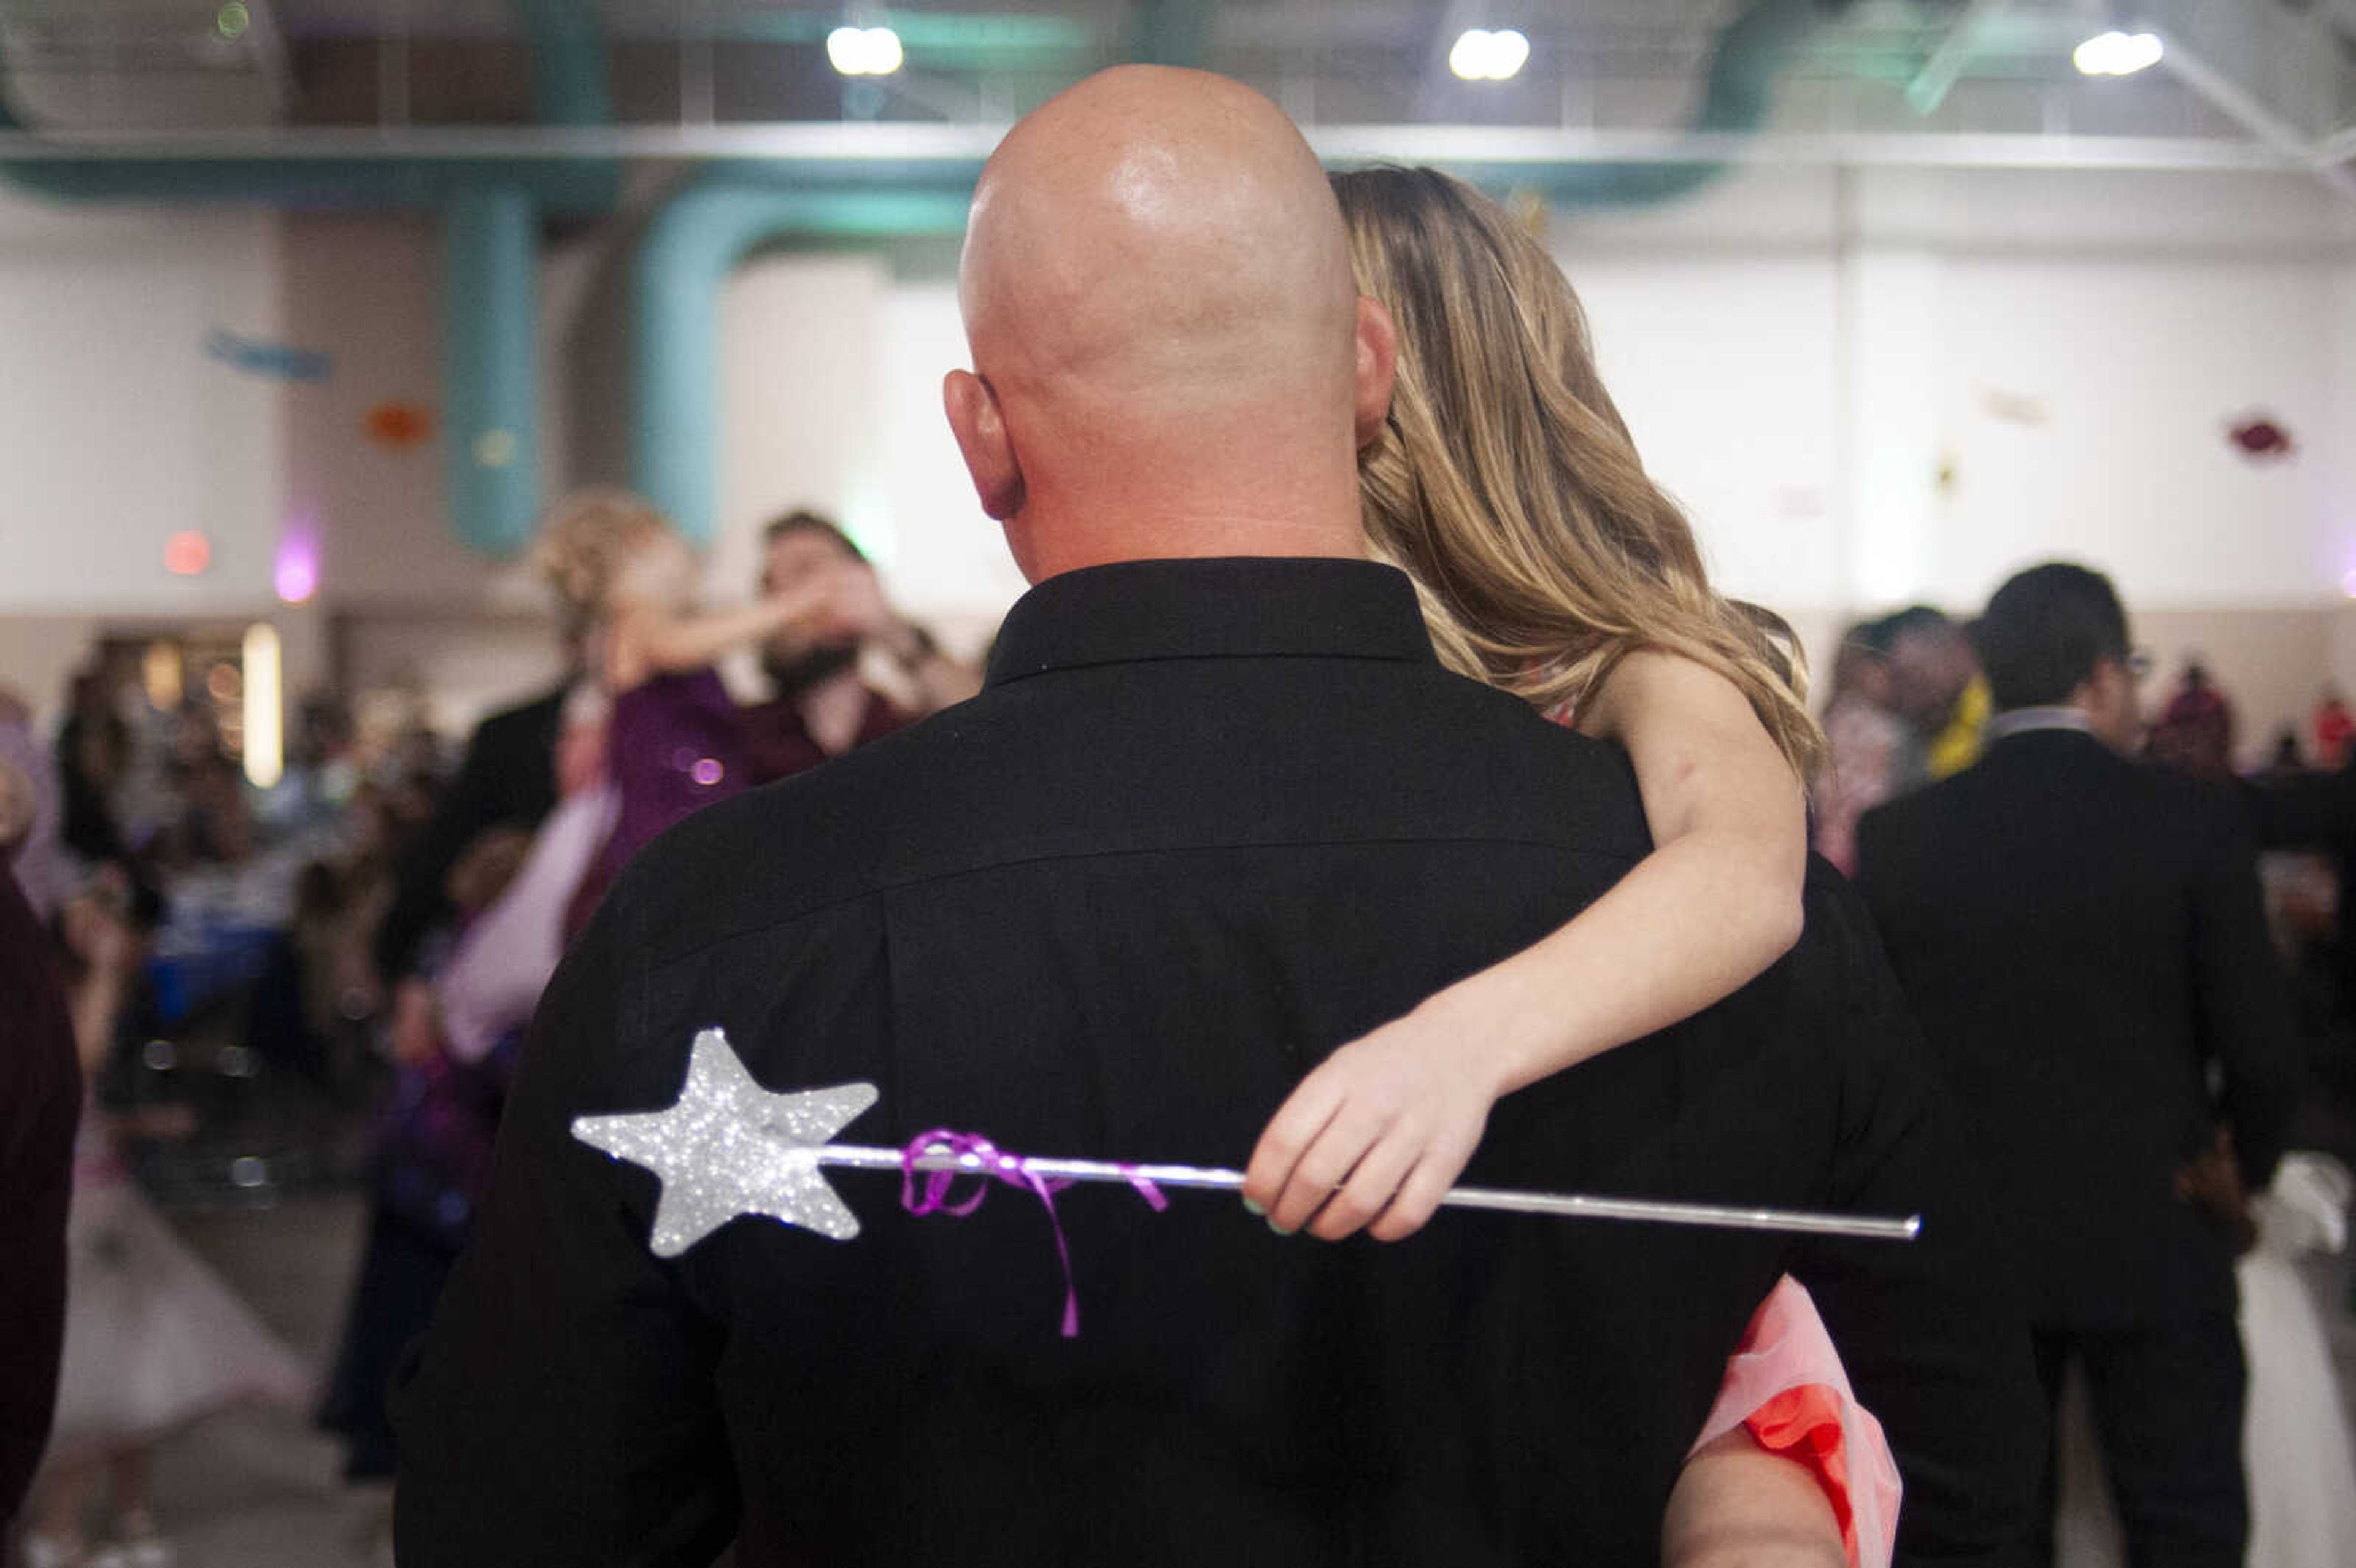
(187, 553)
(295, 573)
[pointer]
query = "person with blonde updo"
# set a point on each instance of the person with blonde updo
(674, 742)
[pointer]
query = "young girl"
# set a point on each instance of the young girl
(1548, 564)
(155, 1340)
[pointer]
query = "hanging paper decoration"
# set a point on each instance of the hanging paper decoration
(279, 360)
(399, 425)
(2260, 438)
(2013, 408)
(727, 1146)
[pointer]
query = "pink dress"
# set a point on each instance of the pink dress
(155, 1339)
(1786, 1384)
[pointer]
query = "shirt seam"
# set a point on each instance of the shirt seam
(993, 680)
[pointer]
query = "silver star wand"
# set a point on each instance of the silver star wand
(729, 1147)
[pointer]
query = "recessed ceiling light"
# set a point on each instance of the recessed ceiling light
(864, 52)
(1480, 55)
(2117, 53)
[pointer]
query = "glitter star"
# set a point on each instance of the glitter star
(729, 1147)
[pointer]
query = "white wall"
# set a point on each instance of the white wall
(369, 286)
(1725, 370)
(1804, 358)
(116, 429)
(1809, 368)
(2141, 368)
(950, 559)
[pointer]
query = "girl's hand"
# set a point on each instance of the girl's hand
(1376, 1137)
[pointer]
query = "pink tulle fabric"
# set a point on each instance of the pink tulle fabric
(1785, 1384)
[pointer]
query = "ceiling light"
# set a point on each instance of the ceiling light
(2116, 54)
(1480, 55)
(864, 52)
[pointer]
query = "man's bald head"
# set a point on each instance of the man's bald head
(1156, 291)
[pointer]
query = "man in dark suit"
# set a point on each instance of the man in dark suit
(2084, 941)
(507, 778)
(1208, 820)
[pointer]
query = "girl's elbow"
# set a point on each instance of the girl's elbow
(1778, 904)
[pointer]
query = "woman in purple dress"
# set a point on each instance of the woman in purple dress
(674, 742)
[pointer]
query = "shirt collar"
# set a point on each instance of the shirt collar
(2024, 720)
(1244, 607)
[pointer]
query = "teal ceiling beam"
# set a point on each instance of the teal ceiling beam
(1930, 86)
(1170, 32)
(1738, 95)
(934, 40)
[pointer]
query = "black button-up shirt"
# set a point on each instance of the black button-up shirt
(1208, 821)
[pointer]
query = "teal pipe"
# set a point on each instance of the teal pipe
(490, 369)
(1752, 51)
(682, 265)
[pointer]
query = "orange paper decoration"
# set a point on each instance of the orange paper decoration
(399, 425)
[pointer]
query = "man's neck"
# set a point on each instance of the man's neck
(1164, 534)
(2056, 715)
(1259, 494)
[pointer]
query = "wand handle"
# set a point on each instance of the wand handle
(1563, 1205)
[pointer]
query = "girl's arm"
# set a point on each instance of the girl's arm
(97, 934)
(1736, 1506)
(1379, 1132)
(647, 640)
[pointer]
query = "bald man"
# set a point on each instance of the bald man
(1208, 820)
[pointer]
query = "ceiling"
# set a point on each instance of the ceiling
(2271, 73)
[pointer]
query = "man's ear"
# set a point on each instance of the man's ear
(980, 425)
(1378, 365)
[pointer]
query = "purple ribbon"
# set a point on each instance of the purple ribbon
(1014, 1170)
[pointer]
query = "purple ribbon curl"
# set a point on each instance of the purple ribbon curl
(1014, 1170)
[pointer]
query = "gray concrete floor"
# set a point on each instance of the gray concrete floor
(261, 1489)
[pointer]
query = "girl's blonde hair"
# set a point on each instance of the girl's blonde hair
(1506, 484)
(585, 544)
